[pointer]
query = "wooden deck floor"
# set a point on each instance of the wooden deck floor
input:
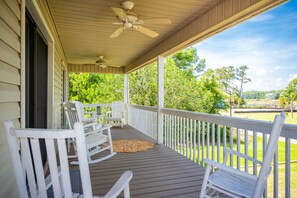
(159, 172)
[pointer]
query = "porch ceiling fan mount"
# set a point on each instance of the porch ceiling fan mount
(100, 62)
(129, 20)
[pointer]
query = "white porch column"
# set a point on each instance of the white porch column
(160, 98)
(126, 96)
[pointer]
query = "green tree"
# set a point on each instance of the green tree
(95, 88)
(181, 90)
(188, 60)
(226, 77)
(143, 85)
(211, 96)
(289, 95)
(241, 75)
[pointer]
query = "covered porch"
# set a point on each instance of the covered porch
(75, 36)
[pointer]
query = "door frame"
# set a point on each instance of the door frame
(37, 16)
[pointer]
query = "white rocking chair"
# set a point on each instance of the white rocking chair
(96, 141)
(29, 164)
(236, 183)
(116, 115)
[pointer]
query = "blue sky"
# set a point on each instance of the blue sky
(267, 44)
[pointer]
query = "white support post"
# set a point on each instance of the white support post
(160, 98)
(126, 96)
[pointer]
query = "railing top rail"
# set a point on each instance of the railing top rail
(289, 130)
(146, 108)
(95, 105)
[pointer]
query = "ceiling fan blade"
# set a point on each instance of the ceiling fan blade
(157, 21)
(146, 31)
(119, 12)
(117, 32)
(117, 23)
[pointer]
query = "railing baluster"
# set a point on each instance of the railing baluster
(195, 139)
(275, 174)
(207, 142)
(264, 142)
(187, 138)
(246, 149)
(164, 129)
(224, 138)
(213, 140)
(238, 147)
(191, 139)
(177, 133)
(180, 135)
(199, 138)
(156, 125)
(288, 168)
(203, 138)
(255, 152)
(218, 142)
(170, 131)
(174, 133)
(167, 130)
(231, 145)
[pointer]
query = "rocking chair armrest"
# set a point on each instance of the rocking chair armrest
(120, 185)
(88, 120)
(99, 130)
(90, 127)
(228, 168)
(230, 151)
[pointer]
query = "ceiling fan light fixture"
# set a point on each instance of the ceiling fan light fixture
(128, 25)
(128, 5)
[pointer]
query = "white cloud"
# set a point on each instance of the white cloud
(261, 72)
(269, 52)
(292, 76)
(276, 68)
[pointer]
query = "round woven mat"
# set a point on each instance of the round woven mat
(131, 146)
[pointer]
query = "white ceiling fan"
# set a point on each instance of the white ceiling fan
(102, 63)
(129, 20)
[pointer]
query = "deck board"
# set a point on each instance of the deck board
(158, 172)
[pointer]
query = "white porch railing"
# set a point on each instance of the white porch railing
(181, 130)
(144, 119)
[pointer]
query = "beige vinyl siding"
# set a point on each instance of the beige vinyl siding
(10, 93)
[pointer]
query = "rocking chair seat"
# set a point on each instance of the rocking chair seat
(93, 140)
(237, 184)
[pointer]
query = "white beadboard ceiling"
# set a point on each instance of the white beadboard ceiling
(84, 27)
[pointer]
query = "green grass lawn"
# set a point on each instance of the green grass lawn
(267, 116)
(281, 159)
